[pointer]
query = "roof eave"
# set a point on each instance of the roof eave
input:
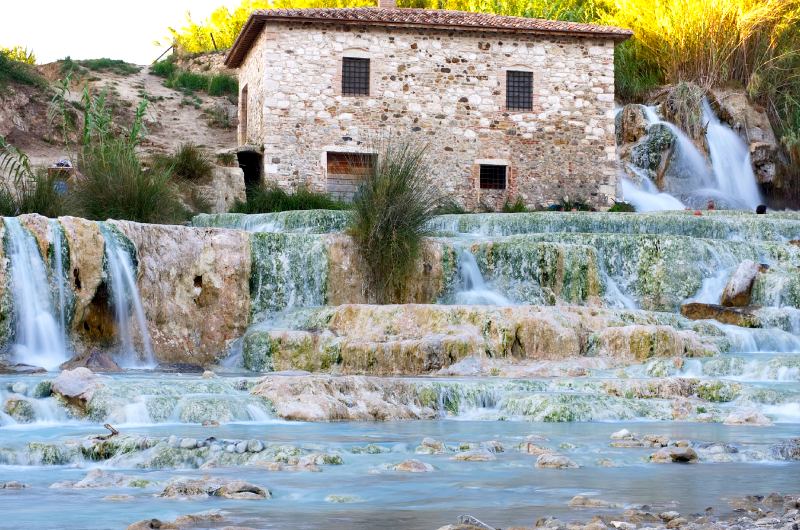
(257, 21)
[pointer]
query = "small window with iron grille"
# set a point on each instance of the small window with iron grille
(493, 177)
(519, 90)
(355, 76)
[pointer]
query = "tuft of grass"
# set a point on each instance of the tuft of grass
(227, 159)
(622, 207)
(518, 206)
(390, 215)
(12, 71)
(267, 198)
(165, 68)
(182, 79)
(188, 162)
(684, 107)
(105, 64)
(449, 206)
(115, 186)
(38, 193)
(223, 85)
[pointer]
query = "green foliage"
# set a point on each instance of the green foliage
(105, 64)
(38, 194)
(634, 77)
(19, 72)
(684, 107)
(227, 159)
(165, 68)
(189, 162)
(448, 206)
(223, 85)
(622, 207)
(518, 206)
(19, 54)
(188, 81)
(265, 199)
(390, 215)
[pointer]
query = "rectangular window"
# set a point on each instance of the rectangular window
(493, 177)
(346, 172)
(519, 90)
(355, 76)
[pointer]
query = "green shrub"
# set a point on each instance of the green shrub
(115, 186)
(227, 159)
(188, 81)
(189, 162)
(33, 190)
(390, 215)
(448, 206)
(634, 77)
(266, 198)
(622, 207)
(19, 72)
(19, 54)
(105, 64)
(165, 68)
(518, 206)
(223, 85)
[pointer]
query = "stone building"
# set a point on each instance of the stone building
(509, 107)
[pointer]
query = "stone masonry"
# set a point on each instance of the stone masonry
(444, 88)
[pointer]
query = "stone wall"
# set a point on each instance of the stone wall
(443, 88)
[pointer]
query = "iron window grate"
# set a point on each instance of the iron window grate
(355, 76)
(519, 90)
(493, 177)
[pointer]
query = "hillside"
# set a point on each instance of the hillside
(173, 116)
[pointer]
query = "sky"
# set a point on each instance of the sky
(89, 29)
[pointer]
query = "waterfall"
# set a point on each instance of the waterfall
(730, 159)
(729, 182)
(472, 289)
(647, 198)
(38, 339)
(60, 277)
(125, 295)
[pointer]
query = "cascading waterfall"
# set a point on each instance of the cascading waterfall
(730, 159)
(39, 341)
(126, 299)
(59, 275)
(472, 288)
(728, 181)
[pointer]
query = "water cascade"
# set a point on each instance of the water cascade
(60, 279)
(39, 340)
(125, 294)
(472, 288)
(730, 159)
(728, 180)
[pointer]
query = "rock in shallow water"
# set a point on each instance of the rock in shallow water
(685, 455)
(747, 417)
(555, 461)
(76, 387)
(740, 286)
(206, 487)
(413, 466)
(20, 409)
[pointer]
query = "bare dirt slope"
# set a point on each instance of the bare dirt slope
(172, 117)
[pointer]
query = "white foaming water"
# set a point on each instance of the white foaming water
(784, 413)
(768, 340)
(691, 368)
(60, 278)
(38, 339)
(647, 198)
(472, 289)
(730, 159)
(710, 291)
(125, 294)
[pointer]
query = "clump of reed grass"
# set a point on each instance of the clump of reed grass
(390, 215)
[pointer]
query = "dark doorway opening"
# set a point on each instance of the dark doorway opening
(251, 163)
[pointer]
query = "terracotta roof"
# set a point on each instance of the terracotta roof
(415, 18)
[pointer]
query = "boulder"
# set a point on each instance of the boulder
(206, 487)
(736, 316)
(740, 286)
(95, 360)
(225, 188)
(480, 455)
(685, 455)
(20, 409)
(747, 417)
(354, 398)
(555, 461)
(195, 288)
(76, 387)
(632, 124)
(413, 466)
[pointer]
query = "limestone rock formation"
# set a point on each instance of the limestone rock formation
(194, 285)
(736, 316)
(322, 398)
(740, 286)
(225, 188)
(76, 387)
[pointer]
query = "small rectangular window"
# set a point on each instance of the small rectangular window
(355, 76)
(346, 172)
(493, 177)
(519, 90)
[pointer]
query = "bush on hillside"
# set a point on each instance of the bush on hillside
(390, 215)
(19, 54)
(267, 198)
(19, 72)
(188, 162)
